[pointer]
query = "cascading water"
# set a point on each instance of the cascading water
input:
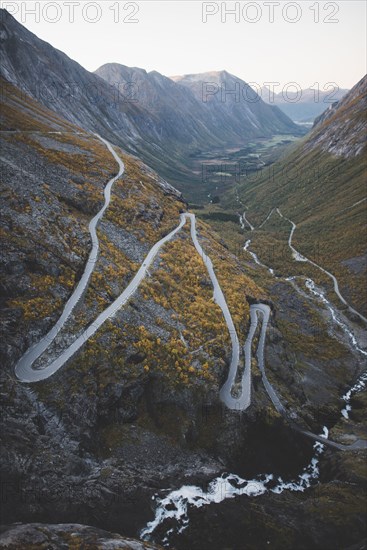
(178, 502)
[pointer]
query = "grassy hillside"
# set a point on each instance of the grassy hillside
(320, 185)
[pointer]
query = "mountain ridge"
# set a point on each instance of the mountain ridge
(342, 128)
(163, 133)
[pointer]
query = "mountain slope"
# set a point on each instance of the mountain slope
(175, 111)
(164, 124)
(230, 118)
(321, 186)
(231, 103)
(341, 129)
(108, 418)
(136, 411)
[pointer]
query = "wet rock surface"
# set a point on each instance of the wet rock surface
(57, 537)
(325, 518)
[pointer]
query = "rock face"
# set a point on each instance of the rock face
(220, 102)
(147, 114)
(341, 130)
(233, 105)
(57, 537)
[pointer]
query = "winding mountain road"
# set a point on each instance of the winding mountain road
(301, 258)
(264, 310)
(245, 220)
(23, 368)
(359, 444)
(26, 373)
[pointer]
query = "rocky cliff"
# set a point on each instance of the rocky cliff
(234, 106)
(342, 129)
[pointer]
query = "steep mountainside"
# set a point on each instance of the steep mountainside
(341, 130)
(147, 114)
(232, 105)
(321, 186)
(176, 113)
(125, 415)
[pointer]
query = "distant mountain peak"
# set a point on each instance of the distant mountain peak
(146, 113)
(120, 66)
(208, 76)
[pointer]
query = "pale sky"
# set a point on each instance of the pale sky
(326, 42)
